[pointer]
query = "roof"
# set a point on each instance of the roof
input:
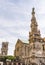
(21, 42)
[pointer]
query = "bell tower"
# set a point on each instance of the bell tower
(4, 49)
(34, 34)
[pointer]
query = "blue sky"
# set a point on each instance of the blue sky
(15, 16)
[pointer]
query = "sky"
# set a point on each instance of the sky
(15, 19)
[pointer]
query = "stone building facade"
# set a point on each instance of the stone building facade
(4, 49)
(21, 49)
(33, 52)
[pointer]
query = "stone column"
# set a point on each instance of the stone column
(25, 61)
(20, 63)
(7, 63)
(16, 63)
(12, 63)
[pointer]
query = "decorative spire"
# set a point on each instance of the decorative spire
(33, 15)
(33, 20)
(33, 11)
(34, 34)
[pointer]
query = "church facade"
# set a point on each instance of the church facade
(33, 52)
